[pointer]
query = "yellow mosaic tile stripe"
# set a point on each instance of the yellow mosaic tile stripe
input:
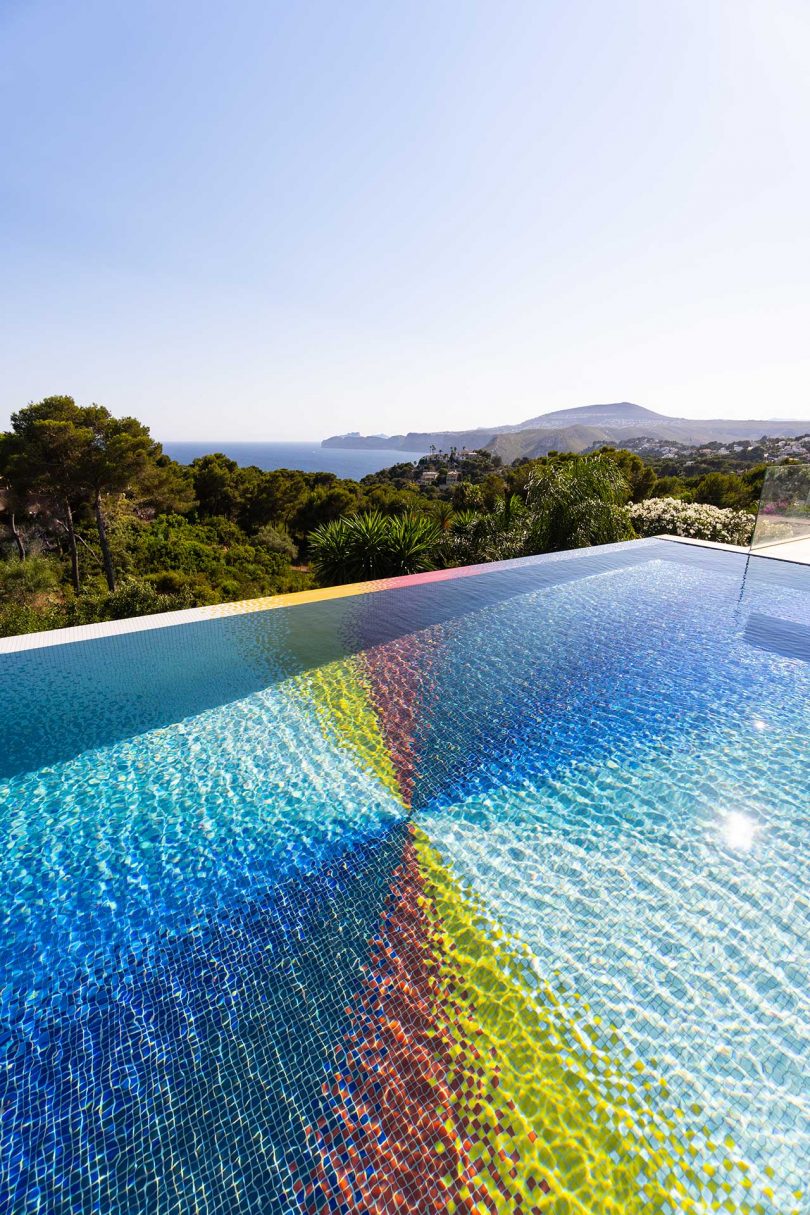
(240, 607)
(595, 1124)
(349, 589)
(340, 696)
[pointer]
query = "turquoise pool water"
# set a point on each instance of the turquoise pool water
(490, 891)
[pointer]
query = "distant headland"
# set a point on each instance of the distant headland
(577, 429)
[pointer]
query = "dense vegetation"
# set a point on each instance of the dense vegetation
(566, 505)
(98, 523)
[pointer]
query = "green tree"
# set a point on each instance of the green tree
(392, 500)
(467, 496)
(442, 513)
(723, 489)
(49, 446)
(287, 492)
(323, 504)
(116, 455)
(640, 477)
(29, 595)
(76, 456)
(165, 487)
(493, 489)
(217, 485)
(13, 491)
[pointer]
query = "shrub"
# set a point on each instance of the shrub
(16, 618)
(29, 596)
(134, 597)
(176, 582)
(20, 580)
(276, 540)
(697, 520)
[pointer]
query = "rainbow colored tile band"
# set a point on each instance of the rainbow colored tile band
(465, 1081)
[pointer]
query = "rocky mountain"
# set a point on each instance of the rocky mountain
(578, 429)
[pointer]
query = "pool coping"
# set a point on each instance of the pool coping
(162, 620)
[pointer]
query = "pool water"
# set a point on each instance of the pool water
(475, 893)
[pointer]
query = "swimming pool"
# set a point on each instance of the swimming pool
(482, 892)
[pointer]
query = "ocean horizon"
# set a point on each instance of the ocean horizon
(307, 457)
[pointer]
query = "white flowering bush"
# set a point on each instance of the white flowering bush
(697, 520)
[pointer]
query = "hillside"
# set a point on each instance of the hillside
(540, 442)
(621, 413)
(579, 428)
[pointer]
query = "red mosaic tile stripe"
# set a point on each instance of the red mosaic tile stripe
(396, 676)
(405, 1125)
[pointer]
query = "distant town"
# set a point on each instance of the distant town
(741, 451)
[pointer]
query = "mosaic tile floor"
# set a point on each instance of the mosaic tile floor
(480, 896)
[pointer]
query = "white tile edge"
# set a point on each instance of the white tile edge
(163, 620)
(729, 548)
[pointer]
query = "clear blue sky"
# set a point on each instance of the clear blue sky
(283, 220)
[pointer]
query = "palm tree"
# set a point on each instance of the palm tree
(569, 504)
(575, 503)
(442, 513)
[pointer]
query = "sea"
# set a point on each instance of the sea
(308, 457)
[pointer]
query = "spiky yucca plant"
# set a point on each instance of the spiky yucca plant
(363, 547)
(412, 543)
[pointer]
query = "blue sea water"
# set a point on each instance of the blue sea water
(308, 457)
(610, 749)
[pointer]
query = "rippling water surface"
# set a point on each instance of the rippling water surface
(482, 894)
